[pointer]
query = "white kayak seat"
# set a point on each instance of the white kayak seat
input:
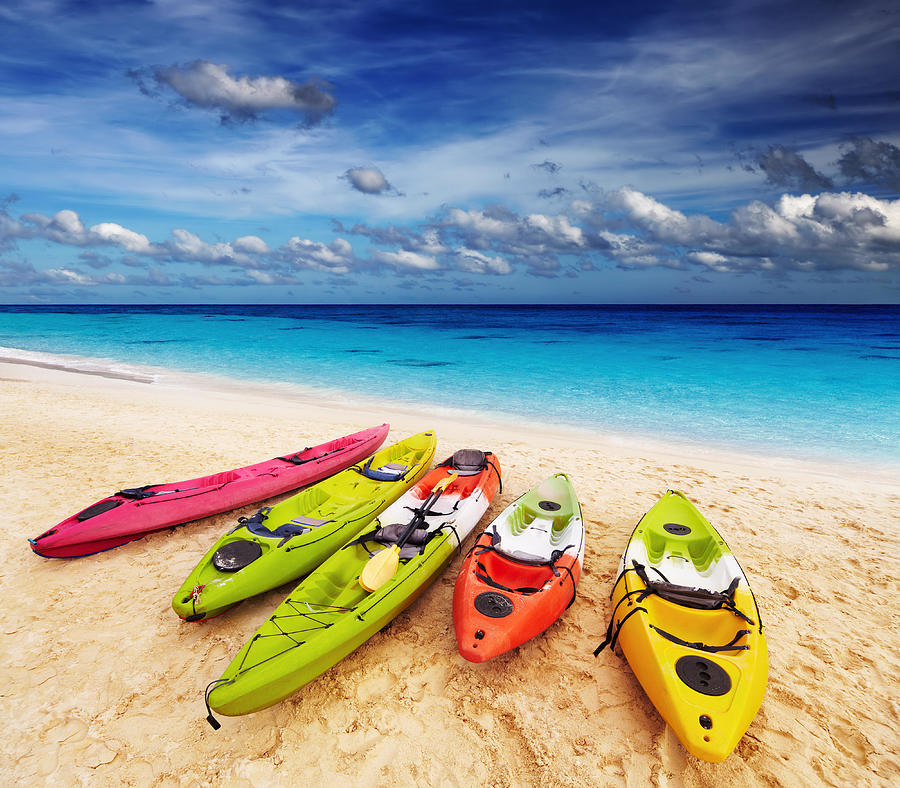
(530, 546)
(537, 529)
(529, 539)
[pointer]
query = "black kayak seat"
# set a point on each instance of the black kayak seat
(468, 462)
(294, 527)
(689, 596)
(389, 472)
(390, 535)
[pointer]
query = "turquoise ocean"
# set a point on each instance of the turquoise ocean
(812, 382)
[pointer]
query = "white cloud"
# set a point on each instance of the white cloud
(557, 230)
(251, 244)
(714, 260)
(67, 222)
(406, 260)
(247, 251)
(663, 223)
(802, 233)
(271, 278)
(68, 277)
(475, 262)
(64, 227)
(121, 236)
(482, 229)
(828, 231)
(187, 246)
(336, 257)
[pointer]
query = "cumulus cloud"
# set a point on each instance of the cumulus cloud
(64, 227)
(406, 261)
(211, 86)
(537, 241)
(481, 229)
(828, 231)
(272, 278)
(427, 241)
(14, 274)
(368, 180)
(67, 228)
(336, 257)
(474, 262)
(664, 224)
(67, 276)
(632, 251)
(115, 234)
(251, 244)
(808, 233)
(187, 246)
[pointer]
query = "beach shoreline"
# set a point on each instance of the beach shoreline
(174, 381)
(104, 682)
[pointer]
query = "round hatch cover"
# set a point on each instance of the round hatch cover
(703, 675)
(493, 605)
(236, 555)
(549, 506)
(675, 528)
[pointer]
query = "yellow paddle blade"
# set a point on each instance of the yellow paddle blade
(380, 568)
(444, 482)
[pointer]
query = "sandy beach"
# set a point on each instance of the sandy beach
(103, 684)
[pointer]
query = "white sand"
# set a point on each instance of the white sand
(103, 684)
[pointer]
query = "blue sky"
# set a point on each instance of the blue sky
(228, 151)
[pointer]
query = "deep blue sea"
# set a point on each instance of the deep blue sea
(820, 382)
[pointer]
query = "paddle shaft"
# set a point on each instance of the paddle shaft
(382, 566)
(421, 511)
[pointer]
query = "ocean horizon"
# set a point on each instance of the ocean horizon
(818, 382)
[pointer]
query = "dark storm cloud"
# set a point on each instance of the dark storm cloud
(785, 168)
(869, 161)
(211, 86)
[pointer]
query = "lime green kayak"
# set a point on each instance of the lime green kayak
(330, 614)
(286, 541)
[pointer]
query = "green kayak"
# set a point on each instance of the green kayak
(330, 614)
(286, 541)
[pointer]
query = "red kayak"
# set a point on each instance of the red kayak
(522, 572)
(130, 514)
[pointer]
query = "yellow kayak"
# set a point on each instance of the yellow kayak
(688, 623)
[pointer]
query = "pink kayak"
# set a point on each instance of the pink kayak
(132, 513)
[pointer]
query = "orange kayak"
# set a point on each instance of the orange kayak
(522, 572)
